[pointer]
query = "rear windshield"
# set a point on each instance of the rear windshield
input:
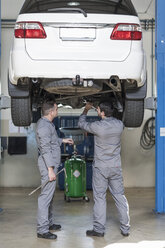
(122, 7)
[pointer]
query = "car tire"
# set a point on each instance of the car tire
(21, 111)
(133, 113)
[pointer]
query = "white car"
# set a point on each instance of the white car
(75, 51)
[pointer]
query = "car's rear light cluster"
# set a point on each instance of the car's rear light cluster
(125, 31)
(29, 30)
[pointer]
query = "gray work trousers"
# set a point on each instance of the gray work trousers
(45, 200)
(111, 178)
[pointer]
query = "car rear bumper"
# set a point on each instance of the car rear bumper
(21, 65)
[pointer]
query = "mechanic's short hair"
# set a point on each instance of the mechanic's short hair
(107, 108)
(47, 106)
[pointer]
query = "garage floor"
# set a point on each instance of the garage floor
(18, 222)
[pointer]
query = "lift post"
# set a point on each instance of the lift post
(160, 114)
(4, 104)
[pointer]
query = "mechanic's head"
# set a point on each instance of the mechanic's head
(105, 109)
(50, 109)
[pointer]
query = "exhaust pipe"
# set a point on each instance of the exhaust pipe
(114, 80)
(114, 83)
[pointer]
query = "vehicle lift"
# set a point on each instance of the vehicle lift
(4, 104)
(160, 113)
(158, 104)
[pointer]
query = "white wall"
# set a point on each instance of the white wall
(15, 170)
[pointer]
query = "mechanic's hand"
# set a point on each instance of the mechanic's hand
(68, 141)
(51, 174)
(88, 105)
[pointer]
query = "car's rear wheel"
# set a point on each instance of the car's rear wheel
(21, 111)
(133, 113)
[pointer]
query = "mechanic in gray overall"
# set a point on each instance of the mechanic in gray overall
(107, 172)
(48, 161)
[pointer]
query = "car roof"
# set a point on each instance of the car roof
(121, 7)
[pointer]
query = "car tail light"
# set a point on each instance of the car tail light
(29, 30)
(124, 31)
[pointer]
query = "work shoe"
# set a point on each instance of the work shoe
(125, 234)
(55, 227)
(47, 235)
(94, 233)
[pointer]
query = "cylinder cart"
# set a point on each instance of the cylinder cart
(75, 182)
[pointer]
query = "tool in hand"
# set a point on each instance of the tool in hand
(43, 185)
(85, 101)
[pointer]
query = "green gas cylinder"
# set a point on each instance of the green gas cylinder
(75, 181)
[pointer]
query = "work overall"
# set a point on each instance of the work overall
(107, 172)
(49, 156)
